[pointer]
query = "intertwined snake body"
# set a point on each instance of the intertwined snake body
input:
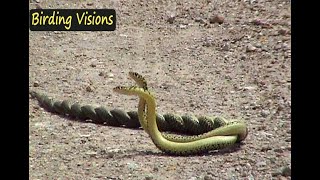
(171, 147)
(185, 124)
(235, 127)
(221, 137)
(210, 132)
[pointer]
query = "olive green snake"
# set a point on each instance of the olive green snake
(212, 132)
(235, 127)
(218, 138)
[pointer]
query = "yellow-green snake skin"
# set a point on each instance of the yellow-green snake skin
(170, 147)
(234, 127)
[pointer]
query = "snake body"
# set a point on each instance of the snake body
(171, 147)
(185, 124)
(235, 127)
(208, 132)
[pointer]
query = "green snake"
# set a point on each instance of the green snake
(170, 147)
(221, 137)
(235, 127)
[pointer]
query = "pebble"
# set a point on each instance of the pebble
(265, 113)
(110, 75)
(243, 57)
(171, 19)
(207, 42)
(216, 19)
(249, 88)
(250, 48)
(148, 177)
(225, 47)
(91, 153)
(102, 73)
(89, 89)
(182, 26)
(36, 84)
(70, 68)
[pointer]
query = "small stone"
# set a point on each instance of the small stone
(207, 42)
(102, 74)
(225, 47)
(93, 64)
(216, 19)
(265, 113)
(89, 3)
(91, 153)
(249, 88)
(250, 48)
(171, 19)
(89, 89)
(110, 75)
(148, 177)
(36, 84)
(243, 57)
(70, 68)
(182, 26)
(258, 45)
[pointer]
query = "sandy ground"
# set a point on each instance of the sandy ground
(237, 69)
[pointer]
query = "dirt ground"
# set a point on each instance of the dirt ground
(240, 68)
